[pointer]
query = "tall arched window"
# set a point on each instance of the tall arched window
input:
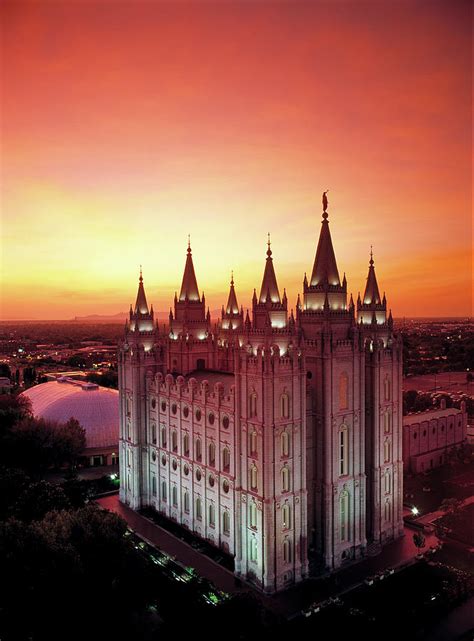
(344, 515)
(153, 485)
(253, 515)
(387, 422)
(174, 440)
(212, 453)
(226, 459)
(164, 493)
(198, 508)
(186, 501)
(387, 450)
(253, 442)
(253, 478)
(343, 450)
(163, 436)
(198, 449)
(253, 405)
(286, 516)
(343, 391)
(387, 388)
(226, 522)
(285, 479)
(153, 433)
(285, 406)
(286, 551)
(212, 515)
(253, 549)
(388, 482)
(186, 444)
(285, 443)
(174, 496)
(387, 510)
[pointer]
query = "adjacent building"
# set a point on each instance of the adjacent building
(274, 435)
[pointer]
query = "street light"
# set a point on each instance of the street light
(415, 511)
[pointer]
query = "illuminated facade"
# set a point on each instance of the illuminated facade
(274, 437)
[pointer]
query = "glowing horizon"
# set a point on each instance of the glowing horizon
(125, 130)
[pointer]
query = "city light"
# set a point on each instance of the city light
(415, 511)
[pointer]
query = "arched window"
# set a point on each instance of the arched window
(343, 450)
(285, 443)
(253, 405)
(343, 391)
(286, 516)
(212, 515)
(387, 450)
(387, 510)
(226, 522)
(226, 459)
(129, 406)
(253, 549)
(285, 479)
(163, 436)
(344, 515)
(388, 482)
(253, 515)
(387, 388)
(164, 493)
(387, 422)
(153, 433)
(174, 440)
(153, 485)
(212, 453)
(253, 442)
(186, 444)
(285, 406)
(186, 501)
(253, 478)
(174, 496)
(198, 449)
(286, 551)
(198, 508)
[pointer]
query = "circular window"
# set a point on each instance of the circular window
(174, 408)
(198, 415)
(225, 486)
(211, 418)
(163, 460)
(198, 475)
(186, 470)
(185, 411)
(153, 456)
(225, 422)
(175, 464)
(163, 406)
(153, 403)
(309, 375)
(211, 480)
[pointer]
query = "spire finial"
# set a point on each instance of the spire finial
(269, 242)
(325, 204)
(232, 277)
(189, 243)
(141, 275)
(371, 261)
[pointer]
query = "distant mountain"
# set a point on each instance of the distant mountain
(122, 316)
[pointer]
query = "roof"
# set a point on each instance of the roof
(95, 407)
(141, 306)
(371, 294)
(325, 266)
(269, 282)
(429, 415)
(189, 288)
(232, 307)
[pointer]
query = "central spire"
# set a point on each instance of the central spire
(371, 294)
(325, 267)
(269, 282)
(141, 305)
(189, 288)
(232, 306)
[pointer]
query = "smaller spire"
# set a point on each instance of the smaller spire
(371, 294)
(269, 242)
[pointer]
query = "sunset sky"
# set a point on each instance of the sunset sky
(127, 125)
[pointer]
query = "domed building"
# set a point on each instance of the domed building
(95, 407)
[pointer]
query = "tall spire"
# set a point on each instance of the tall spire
(189, 288)
(371, 294)
(141, 305)
(232, 306)
(269, 282)
(325, 266)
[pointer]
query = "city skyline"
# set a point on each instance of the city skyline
(227, 124)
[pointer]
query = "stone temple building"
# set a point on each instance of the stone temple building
(272, 435)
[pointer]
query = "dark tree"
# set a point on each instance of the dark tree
(37, 499)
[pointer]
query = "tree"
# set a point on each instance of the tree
(419, 541)
(13, 408)
(71, 442)
(452, 508)
(5, 370)
(12, 483)
(37, 499)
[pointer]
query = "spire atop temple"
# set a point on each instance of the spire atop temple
(141, 305)
(189, 288)
(325, 267)
(269, 282)
(232, 306)
(371, 294)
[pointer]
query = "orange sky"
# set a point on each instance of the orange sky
(127, 125)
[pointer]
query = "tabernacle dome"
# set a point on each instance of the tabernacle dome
(95, 407)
